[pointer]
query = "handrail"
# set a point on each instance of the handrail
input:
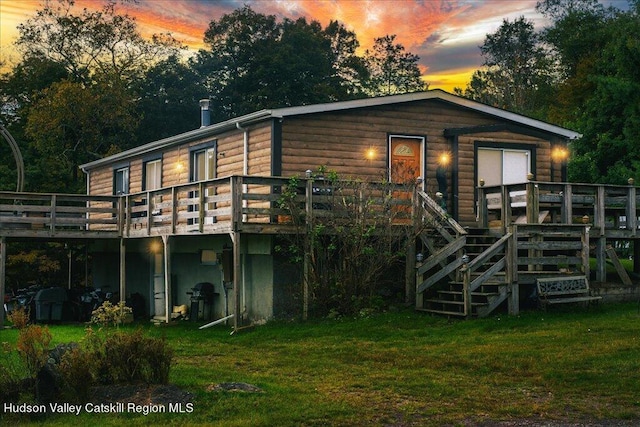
(436, 211)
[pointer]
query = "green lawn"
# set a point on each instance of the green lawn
(403, 368)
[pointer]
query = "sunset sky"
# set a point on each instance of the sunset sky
(444, 33)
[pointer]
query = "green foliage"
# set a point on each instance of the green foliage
(518, 73)
(109, 314)
(11, 372)
(129, 357)
(349, 253)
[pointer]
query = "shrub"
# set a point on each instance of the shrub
(117, 357)
(33, 347)
(77, 369)
(132, 357)
(109, 314)
(19, 317)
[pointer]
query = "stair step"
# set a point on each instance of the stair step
(473, 294)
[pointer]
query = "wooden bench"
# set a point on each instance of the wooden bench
(567, 289)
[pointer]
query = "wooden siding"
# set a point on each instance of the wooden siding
(339, 140)
(176, 161)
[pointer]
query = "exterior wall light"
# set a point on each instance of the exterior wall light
(370, 154)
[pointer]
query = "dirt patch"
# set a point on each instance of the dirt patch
(140, 394)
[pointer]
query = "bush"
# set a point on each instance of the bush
(109, 314)
(117, 358)
(33, 347)
(19, 317)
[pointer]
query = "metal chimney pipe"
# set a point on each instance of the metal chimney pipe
(205, 114)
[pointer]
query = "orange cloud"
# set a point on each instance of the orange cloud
(444, 33)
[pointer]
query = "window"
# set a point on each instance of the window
(121, 181)
(203, 164)
(152, 175)
(152, 180)
(203, 168)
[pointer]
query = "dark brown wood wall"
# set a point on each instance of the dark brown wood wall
(339, 140)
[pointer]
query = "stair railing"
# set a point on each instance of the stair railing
(501, 246)
(454, 234)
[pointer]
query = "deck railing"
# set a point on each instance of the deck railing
(611, 210)
(237, 203)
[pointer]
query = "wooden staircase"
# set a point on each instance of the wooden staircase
(477, 286)
(464, 275)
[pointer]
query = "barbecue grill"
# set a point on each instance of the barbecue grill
(202, 298)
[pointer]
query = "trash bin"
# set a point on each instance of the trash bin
(49, 303)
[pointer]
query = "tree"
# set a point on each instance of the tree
(392, 70)
(73, 124)
(254, 61)
(518, 74)
(102, 42)
(609, 116)
(168, 100)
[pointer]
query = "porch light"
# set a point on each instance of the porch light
(444, 159)
(631, 181)
(370, 154)
(155, 247)
(419, 257)
(559, 154)
(179, 166)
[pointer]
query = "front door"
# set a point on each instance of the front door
(405, 167)
(406, 159)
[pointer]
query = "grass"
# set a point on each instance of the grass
(403, 368)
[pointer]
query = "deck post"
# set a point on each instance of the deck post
(601, 242)
(309, 247)
(123, 269)
(482, 207)
(3, 276)
(632, 216)
(567, 204)
(237, 280)
(410, 272)
(167, 277)
(533, 203)
(511, 271)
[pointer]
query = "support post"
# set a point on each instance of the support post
(567, 204)
(632, 216)
(3, 275)
(123, 270)
(601, 259)
(237, 281)
(167, 277)
(410, 273)
(483, 221)
(511, 272)
(309, 247)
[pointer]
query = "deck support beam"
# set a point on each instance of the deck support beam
(123, 270)
(3, 263)
(167, 277)
(237, 281)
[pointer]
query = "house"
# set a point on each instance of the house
(194, 208)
